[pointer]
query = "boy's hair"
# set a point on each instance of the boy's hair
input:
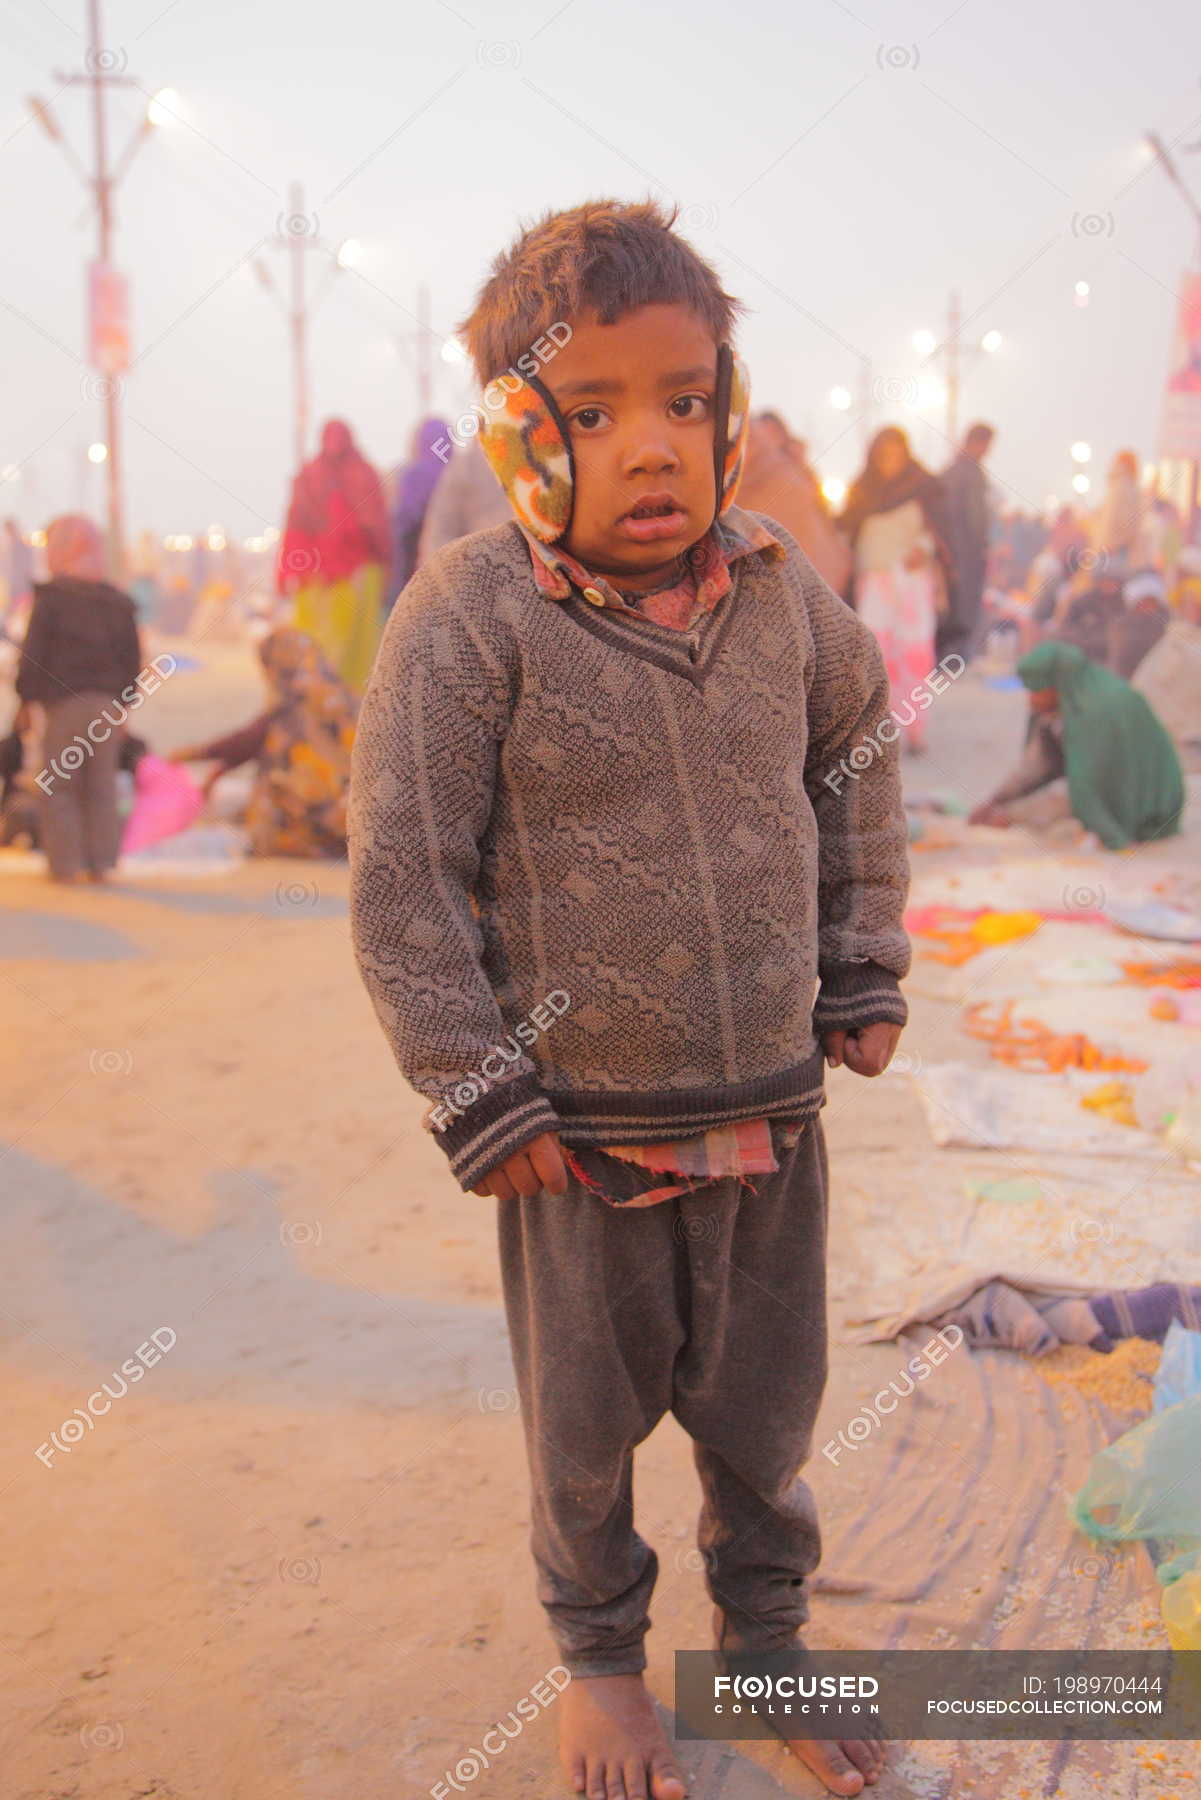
(609, 256)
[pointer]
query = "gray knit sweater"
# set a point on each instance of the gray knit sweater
(596, 867)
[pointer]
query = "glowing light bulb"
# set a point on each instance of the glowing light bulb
(163, 109)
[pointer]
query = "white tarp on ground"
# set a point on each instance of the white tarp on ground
(995, 1109)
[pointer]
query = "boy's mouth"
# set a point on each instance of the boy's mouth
(654, 516)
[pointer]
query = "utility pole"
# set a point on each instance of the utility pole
(104, 215)
(1159, 150)
(865, 402)
(299, 239)
(298, 244)
(1184, 446)
(954, 326)
(108, 307)
(425, 374)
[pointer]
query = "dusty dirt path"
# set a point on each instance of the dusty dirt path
(290, 1560)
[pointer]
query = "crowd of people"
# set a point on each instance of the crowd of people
(925, 559)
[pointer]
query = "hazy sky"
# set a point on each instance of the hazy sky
(843, 165)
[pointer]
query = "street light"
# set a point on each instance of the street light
(835, 489)
(452, 351)
(1082, 292)
(924, 342)
(991, 342)
(349, 253)
(1081, 483)
(840, 399)
(1082, 452)
(163, 108)
(97, 453)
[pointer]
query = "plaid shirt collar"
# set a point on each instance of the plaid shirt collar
(735, 534)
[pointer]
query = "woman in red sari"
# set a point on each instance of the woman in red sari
(335, 552)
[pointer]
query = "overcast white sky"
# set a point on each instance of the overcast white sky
(843, 165)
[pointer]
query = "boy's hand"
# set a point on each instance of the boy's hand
(867, 1051)
(537, 1165)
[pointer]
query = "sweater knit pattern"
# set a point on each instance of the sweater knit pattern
(549, 800)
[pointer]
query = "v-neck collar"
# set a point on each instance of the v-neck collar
(596, 605)
(690, 654)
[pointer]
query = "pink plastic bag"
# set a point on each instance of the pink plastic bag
(166, 800)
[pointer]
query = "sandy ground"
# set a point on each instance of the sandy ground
(290, 1561)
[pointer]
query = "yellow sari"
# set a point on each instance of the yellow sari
(345, 619)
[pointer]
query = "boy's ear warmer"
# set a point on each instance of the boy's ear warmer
(528, 446)
(732, 413)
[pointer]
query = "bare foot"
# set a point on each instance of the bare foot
(845, 1765)
(611, 1742)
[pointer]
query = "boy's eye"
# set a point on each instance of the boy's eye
(588, 418)
(690, 406)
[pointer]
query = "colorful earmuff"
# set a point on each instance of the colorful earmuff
(528, 445)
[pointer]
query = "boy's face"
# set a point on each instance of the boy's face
(638, 400)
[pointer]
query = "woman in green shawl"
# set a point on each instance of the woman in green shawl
(1124, 779)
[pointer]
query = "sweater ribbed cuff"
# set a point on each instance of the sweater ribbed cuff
(854, 994)
(492, 1127)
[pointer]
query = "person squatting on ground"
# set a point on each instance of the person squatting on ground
(300, 746)
(1124, 780)
(590, 763)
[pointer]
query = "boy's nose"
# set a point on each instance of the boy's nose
(651, 456)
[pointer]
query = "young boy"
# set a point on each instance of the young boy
(602, 849)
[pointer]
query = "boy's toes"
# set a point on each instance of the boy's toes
(577, 1774)
(666, 1783)
(637, 1779)
(874, 1767)
(829, 1764)
(596, 1788)
(843, 1777)
(863, 1757)
(867, 1755)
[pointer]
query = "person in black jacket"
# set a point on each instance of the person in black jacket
(80, 652)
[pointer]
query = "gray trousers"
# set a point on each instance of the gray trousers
(81, 831)
(710, 1306)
